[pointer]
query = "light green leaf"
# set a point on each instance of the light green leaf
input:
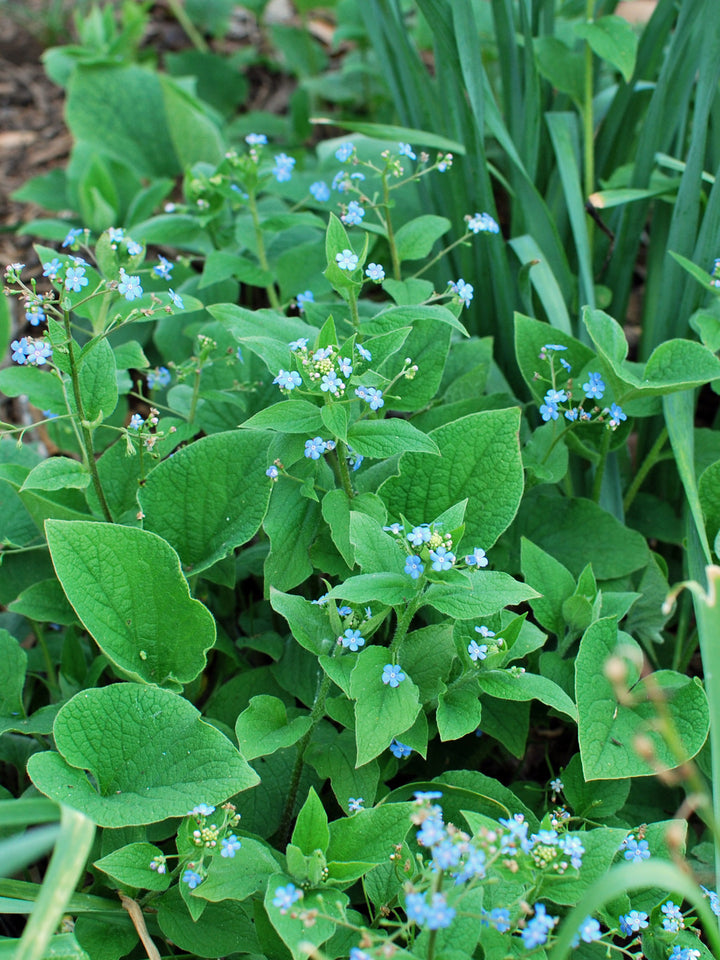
(416, 238)
(379, 439)
(364, 835)
(612, 39)
(303, 940)
(238, 877)
(526, 686)
(560, 65)
(210, 497)
(12, 676)
(148, 753)
(263, 727)
(287, 416)
(96, 376)
(56, 473)
(459, 710)
(292, 525)
(336, 760)
(552, 579)
(487, 592)
(311, 827)
(308, 621)
(127, 588)
(381, 711)
(131, 865)
(607, 728)
(480, 460)
(388, 588)
(227, 927)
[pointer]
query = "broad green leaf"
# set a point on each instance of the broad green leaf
(45, 602)
(263, 727)
(387, 588)
(564, 528)
(131, 865)
(127, 588)
(226, 927)
(379, 439)
(193, 134)
(552, 579)
(238, 877)
(381, 711)
(210, 497)
(292, 525)
(288, 416)
(61, 946)
(148, 752)
(375, 550)
(308, 621)
(709, 494)
(560, 65)
(486, 592)
(607, 728)
(42, 389)
(526, 686)
(530, 337)
(335, 420)
(597, 800)
(12, 676)
(479, 459)
(416, 238)
(311, 827)
(368, 834)
(600, 849)
(96, 377)
(336, 760)
(612, 39)
(56, 473)
(427, 656)
(459, 710)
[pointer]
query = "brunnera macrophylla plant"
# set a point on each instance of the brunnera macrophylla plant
(317, 557)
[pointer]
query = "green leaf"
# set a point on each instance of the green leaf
(57, 473)
(263, 727)
(44, 601)
(311, 831)
(226, 927)
(308, 621)
(303, 940)
(127, 588)
(486, 592)
(148, 752)
(560, 65)
(388, 588)
(366, 834)
(526, 686)
(416, 238)
(552, 579)
(210, 497)
(96, 376)
(597, 800)
(379, 439)
(193, 134)
(381, 711)
(479, 459)
(612, 39)
(288, 416)
(607, 728)
(389, 131)
(131, 865)
(459, 711)
(12, 676)
(292, 525)
(238, 877)
(336, 760)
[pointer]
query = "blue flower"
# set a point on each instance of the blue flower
(163, 268)
(555, 397)
(315, 448)
(499, 918)
(477, 558)
(565, 364)
(344, 610)
(714, 900)
(364, 353)
(20, 350)
(573, 848)
(399, 750)
(256, 139)
(272, 472)
(129, 287)
(393, 528)
(355, 804)
(572, 413)
(288, 379)
(133, 247)
(674, 920)
(538, 929)
(345, 365)
(136, 421)
(553, 346)
(352, 640)
(301, 299)
(115, 235)
(392, 675)
(683, 953)
(35, 315)
(472, 867)
(357, 954)
(462, 290)
(344, 152)
(616, 415)
(633, 922)
(176, 299)
(300, 344)
(52, 268)
(415, 907)
(595, 387)
(439, 915)
(230, 845)
(202, 810)
(548, 411)
(37, 352)
(354, 214)
(442, 558)
(282, 171)
(285, 897)
(482, 223)
(331, 383)
(158, 378)
(419, 535)
(589, 932)
(405, 150)
(347, 260)
(75, 279)
(355, 459)
(444, 162)
(71, 237)
(635, 850)
(375, 272)
(414, 566)
(320, 190)
(374, 398)
(477, 651)
(422, 795)
(556, 785)
(484, 632)
(192, 878)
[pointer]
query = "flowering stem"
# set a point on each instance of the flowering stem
(646, 466)
(390, 232)
(403, 624)
(354, 315)
(49, 665)
(85, 431)
(195, 395)
(439, 256)
(316, 715)
(262, 256)
(341, 453)
(600, 471)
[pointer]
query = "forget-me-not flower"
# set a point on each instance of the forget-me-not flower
(352, 640)
(282, 171)
(347, 260)
(288, 379)
(320, 191)
(392, 675)
(315, 448)
(375, 272)
(595, 387)
(230, 845)
(75, 279)
(399, 750)
(285, 897)
(354, 214)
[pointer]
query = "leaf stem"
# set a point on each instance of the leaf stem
(403, 624)
(262, 255)
(600, 470)
(645, 467)
(397, 274)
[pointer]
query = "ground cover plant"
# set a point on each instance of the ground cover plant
(356, 614)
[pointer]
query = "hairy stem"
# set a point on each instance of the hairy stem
(262, 255)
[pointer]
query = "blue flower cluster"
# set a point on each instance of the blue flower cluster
(431, 548)
(30, 350)
(593, 389)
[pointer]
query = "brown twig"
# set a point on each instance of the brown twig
(136, 915)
